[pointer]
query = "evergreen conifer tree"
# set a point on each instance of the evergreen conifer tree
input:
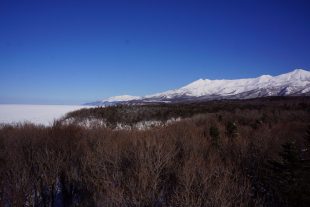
(291, 176)
(215, 135)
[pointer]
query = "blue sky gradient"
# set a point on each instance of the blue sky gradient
(75, 51)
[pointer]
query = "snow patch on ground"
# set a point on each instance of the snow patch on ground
(141, 125)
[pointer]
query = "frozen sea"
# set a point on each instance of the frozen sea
(37, 114)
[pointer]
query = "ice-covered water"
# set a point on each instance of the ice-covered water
(37, 114)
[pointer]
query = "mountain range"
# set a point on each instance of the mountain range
(294, 83)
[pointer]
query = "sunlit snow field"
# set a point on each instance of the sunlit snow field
(37, 114)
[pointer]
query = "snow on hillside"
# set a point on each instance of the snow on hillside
(297, 78)
(296, 82)
(37, 114)
(121, 98)
(114, 99)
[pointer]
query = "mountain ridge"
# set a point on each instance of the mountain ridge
(294, 83)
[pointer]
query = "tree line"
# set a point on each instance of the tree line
(249, 156)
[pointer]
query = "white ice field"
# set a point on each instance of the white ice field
(37, 114)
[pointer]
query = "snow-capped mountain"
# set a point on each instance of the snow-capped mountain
(295, 83)
(115, 99)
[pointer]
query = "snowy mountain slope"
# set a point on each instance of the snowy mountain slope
(295, 83)
(121, 98)
(285, 84)
(115, 99)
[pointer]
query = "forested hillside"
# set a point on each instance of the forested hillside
(220, 153)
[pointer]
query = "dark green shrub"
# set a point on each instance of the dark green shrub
(215, 135)
(231, 129)
(291, 177)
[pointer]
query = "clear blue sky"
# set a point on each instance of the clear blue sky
(78, 51)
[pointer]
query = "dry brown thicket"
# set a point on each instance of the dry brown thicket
(175, 165)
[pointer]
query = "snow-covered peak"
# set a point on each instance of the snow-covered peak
(264, 78)
(121, 98)
(295, 75)
(229, 87)
(301, 72)
(296, 82)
